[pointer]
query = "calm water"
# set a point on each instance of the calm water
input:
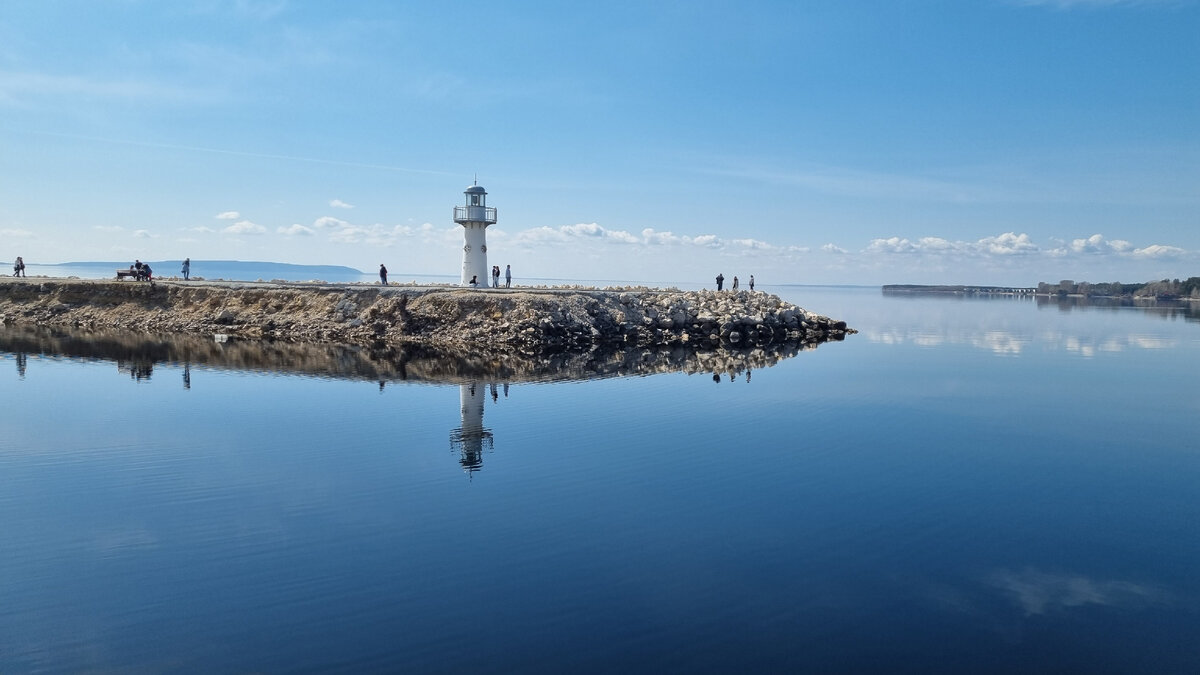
(964, 486)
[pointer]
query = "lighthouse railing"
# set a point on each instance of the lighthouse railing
(475, 214)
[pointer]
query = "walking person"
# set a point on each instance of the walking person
(19, 267)
(751, 283)
(382, 274)
(186, 270)
(508, 276)
(720, 280)
(735, 283)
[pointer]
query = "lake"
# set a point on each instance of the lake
(983, 485)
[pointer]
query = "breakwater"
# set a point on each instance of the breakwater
(450, 318)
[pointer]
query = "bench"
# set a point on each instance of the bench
(121, 274)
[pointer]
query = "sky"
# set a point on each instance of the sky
(813, 142)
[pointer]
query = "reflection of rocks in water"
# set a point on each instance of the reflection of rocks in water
(388, 363)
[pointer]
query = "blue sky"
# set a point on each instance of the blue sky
(961, 141)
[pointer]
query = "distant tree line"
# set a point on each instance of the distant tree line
(1165, 289)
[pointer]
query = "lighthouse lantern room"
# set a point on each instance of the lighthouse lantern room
(475, 215)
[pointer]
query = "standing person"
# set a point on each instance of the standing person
(751, 283)
(382, 274)
(137, 268)
(495, 276)
(720, 280)
(508, 276)
(186, 270)
(735, 283)
(19, 267)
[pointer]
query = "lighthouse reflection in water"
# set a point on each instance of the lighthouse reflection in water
(472, 439)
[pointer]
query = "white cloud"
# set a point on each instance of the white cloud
(201, 228)
(754, 244)
(15, 233)
(228, 215)
(583, 230)
(329, 222)
(1094, 244)
(891, 245)
(345, 232)
(576, 232)
(836, 250)
(649, 236)
(296, 229)
(244, 227)
(143, 234)
(1097, 245)
(339, 204)
(652, 236)
(1158, 251)
(1008, 243)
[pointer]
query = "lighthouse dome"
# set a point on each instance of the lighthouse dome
(476, 190)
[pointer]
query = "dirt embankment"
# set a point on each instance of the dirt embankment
(499, 320)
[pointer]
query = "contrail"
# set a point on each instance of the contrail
(241, 153)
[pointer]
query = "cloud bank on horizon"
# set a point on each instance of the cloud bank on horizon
(1008, 141)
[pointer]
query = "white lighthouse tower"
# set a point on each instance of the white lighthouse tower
(475, 216)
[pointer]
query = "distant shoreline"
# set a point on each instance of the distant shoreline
(1043, 290)
(960, 289)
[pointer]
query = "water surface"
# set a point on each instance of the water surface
(966, 485)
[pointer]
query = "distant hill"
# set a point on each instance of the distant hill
(240, 270)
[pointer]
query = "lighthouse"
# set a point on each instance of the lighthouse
(475, 215)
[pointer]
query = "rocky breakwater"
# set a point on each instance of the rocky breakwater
(471, 320)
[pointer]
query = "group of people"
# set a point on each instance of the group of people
(721, 282)
(474, 282)
(496, 276)
(142, 271)
(19, 267)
